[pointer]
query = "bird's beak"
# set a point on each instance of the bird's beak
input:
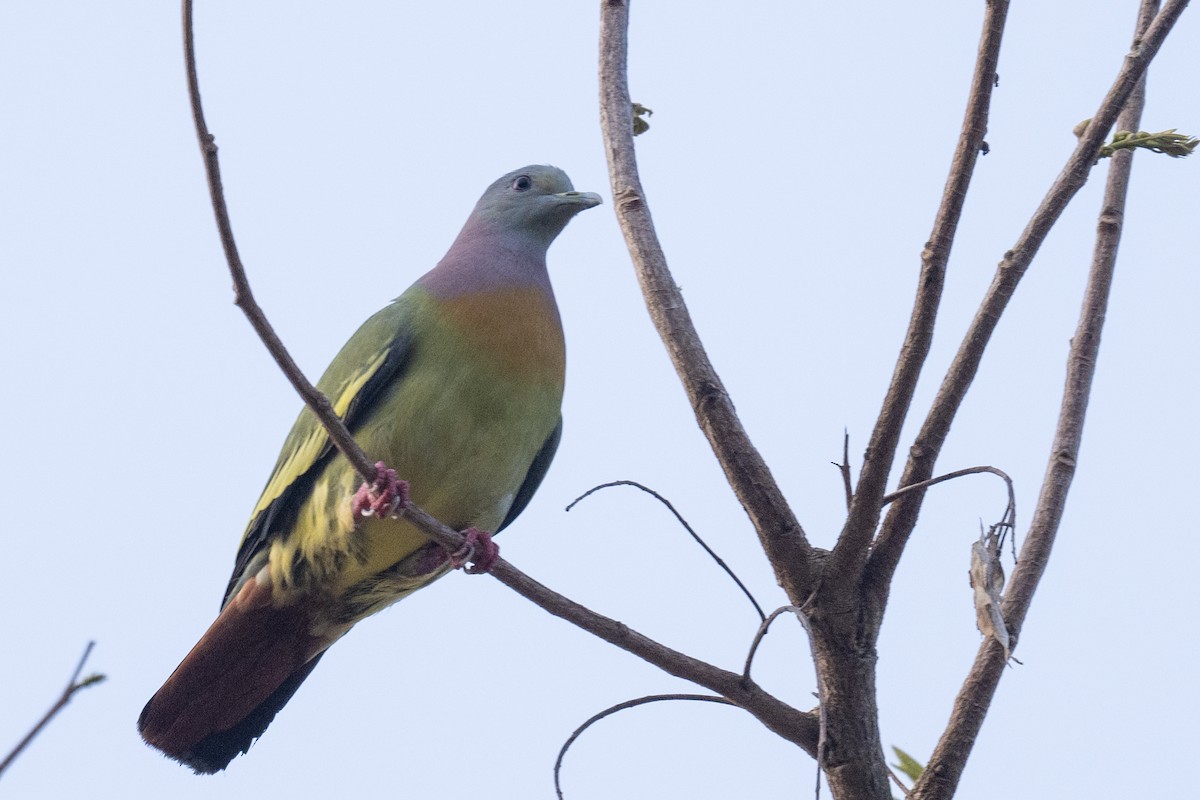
(585, 199)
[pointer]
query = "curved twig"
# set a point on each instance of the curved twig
(793, 725)
(720, 562)
(608, 712)
(778, 530)
(821, 714)
(1007, 523)
(762, 631)
(958, 473)
(940, 778)
(73, 686)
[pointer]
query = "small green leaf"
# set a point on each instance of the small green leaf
(640, 125)
(1176, 145)
(908, 765)
(91, 680)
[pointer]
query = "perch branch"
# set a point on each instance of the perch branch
(242, 296)
(793, 725)
(779, 532)
(940, 778)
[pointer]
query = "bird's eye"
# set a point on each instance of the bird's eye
(522, 183)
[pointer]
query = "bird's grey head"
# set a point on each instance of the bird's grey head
(535, 201)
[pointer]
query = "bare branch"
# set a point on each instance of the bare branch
(243, 297)
(949, 476)
(793, 725)
(73, 686)
(711, 553)
(844, 469)
(940, 779)
(902, 518)
(899, 784)
(608, 712)
(798, 727)
(778, 530)
(761, 632)
(850, 553)
(822, 705)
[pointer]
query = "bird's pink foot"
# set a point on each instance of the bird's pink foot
(384, 498)
(479, 549)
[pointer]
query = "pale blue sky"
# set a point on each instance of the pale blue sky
(796, 155)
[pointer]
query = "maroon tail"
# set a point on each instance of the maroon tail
(230, 686)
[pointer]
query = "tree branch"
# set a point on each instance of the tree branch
(940, 779)
(902, 517)
(339, 434)
(73, 686)
(778, 530)
(795, 726)
(949, 476)
(850, 553)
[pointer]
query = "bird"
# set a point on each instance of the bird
(455, 386)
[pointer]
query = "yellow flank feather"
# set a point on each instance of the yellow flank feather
(301, 458)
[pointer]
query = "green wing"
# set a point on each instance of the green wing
(533, 478)
(374, 358)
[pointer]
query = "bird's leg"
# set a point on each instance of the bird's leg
(479, 549)
(383, 498)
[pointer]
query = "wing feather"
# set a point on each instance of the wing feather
(533, 478)
(373, 359)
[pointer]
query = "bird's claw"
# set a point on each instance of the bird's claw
(478, 549)
(385, 497)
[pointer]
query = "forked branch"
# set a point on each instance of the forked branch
(940, 779)
(851, 550)
(901, 519)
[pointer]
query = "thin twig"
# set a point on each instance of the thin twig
(73, 686)
(949, 476)
(1007, 523)
(720, 562)
(844, 468)
(850, 553)
(899, 785)
(822, 702)
(778, 530)
(901, 519)
(761, 632)
(821, 713)
(795, 726)
(940, 778)
(608, 712)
